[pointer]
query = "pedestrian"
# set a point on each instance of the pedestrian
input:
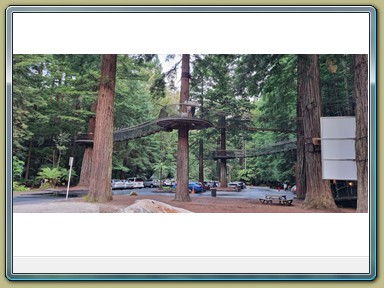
(285, 186)
(278, 188)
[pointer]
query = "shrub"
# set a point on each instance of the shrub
(51, 175)
(18, 187)
(55, 176)
(17, 168)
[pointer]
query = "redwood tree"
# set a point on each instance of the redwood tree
(361, 93)
(100, 189)
(318, 194)
(300, 151)
(182, 191)
(201, 161)
(223, 149)
(86, 166)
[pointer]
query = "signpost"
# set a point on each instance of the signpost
(69, 176)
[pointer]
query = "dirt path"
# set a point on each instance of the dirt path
(201, 204)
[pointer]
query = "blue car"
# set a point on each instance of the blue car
(192, 185)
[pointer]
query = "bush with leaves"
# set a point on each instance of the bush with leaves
(17, 170)
(50, 175)
(19, 187)
(55, 176)
(64, 175)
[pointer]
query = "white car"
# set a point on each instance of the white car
(135, 182)
(118, 184)
(152, 183)
(169, 182)
(237, 184)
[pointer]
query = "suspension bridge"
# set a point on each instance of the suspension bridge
(173, 116)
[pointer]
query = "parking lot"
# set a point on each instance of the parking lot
(248, 193)
(48, 196)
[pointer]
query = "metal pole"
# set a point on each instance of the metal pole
(69, 176)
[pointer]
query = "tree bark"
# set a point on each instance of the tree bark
(201, 161)
(361, 94)
(182, 191)
(318, 195)
(86, 166)
(223, 151)
(301, 188)
(28, 160)
(100, 189)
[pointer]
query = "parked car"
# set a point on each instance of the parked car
(205, 186)
(168, 182)
(118, 184)
(237, 184)
(200, 185)
(212, 183)
(136, 182)
(196, 186)
(152, 183)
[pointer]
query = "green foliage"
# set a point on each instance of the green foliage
(60, 142)
(17, 168)
(16, 186)
(245, 175)
(337, 78)
(51, 175)
(55, 175)
(162, 170)
(65, 173)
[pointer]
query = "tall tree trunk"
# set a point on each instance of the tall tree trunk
(182, 191)
(319, 193)
(361, 94)
(28, 160)
(86, 166)
(53, 157)
(301, 188)
(100, 189)
(201, 161)
(223, 151)
(202, 135)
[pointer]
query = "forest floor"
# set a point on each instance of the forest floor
(218, 205)
(198, 204)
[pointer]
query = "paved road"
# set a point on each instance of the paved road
(43, 197)
(48, 196)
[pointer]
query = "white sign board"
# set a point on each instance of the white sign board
(338, 148)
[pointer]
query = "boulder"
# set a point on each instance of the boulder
(152, 206)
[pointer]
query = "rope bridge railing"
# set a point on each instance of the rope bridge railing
(138, 131)
(176, 112)
(188, 109)
(264, 150)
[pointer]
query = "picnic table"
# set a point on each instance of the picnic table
(281, 198)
